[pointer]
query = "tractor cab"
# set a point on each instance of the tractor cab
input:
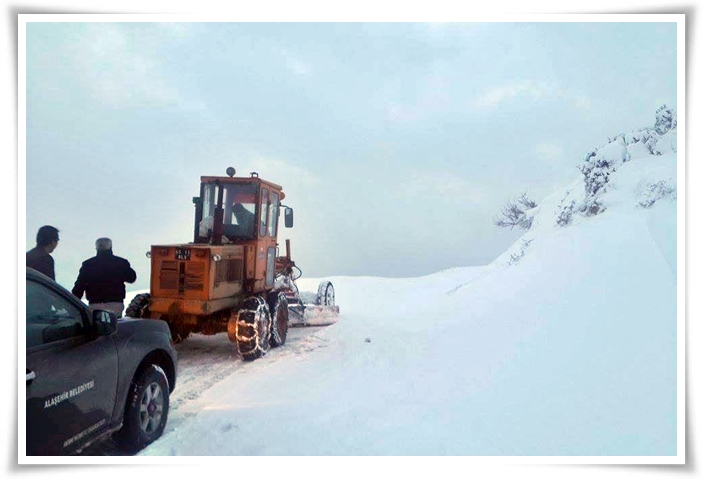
(237, 210)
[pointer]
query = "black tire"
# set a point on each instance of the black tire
(252, 328)
(278, 305)
(325, 294)
(146, 412)
(139, 306)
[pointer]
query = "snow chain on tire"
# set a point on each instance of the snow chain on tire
(253, 328)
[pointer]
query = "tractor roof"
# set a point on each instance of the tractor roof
(242, 179)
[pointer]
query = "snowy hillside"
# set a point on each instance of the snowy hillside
(566, 345)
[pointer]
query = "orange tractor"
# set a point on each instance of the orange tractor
(231, 278)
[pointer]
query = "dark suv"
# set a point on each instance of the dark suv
(89, 374)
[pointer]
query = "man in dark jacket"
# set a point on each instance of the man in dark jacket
(102, 278)
(39, 257)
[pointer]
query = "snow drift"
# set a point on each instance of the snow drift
(565, 345)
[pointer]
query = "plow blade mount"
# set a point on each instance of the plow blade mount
(314, 309)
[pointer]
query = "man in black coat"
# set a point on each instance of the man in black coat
(102, 279)
(39, 257)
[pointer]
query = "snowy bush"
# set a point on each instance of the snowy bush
(514, 213)
(592, 207)
(639, 136)
(646, 137)
(656, 191)
(515, 257)
(651, 146)
(601, 163)
(596, 172)
(564, 213)
(666, 120)
(589, 205)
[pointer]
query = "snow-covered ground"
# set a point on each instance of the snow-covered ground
(566, 345)
(566, 348)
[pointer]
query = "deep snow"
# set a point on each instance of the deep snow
(567, 348)
(566, 345)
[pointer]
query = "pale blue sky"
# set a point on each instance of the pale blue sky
(397, 144)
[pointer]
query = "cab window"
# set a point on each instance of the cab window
(50, 316)
(264, 212)
(209, 200)
(239, 210)
(273, 214)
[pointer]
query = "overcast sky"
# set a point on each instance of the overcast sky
(396, 143)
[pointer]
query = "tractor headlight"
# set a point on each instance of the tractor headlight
(148, 254)
(217, 258)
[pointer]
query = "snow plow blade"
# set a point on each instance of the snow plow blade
(313, 315)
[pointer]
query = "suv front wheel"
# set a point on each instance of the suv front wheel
(146, 411)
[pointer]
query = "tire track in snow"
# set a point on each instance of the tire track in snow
(204, 361)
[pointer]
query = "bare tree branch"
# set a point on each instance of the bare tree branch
(514, 213)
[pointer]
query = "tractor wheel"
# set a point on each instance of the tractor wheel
(139, 306)
(278, 304)
(325, 294)
(250, 328)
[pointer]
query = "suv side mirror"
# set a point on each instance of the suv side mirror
(288, 217)
(105, 322)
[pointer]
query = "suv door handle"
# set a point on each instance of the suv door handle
(30, 376)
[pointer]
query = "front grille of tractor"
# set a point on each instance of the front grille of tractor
(168, 277)
(182, 275)
(229, 270)
(194, 276)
